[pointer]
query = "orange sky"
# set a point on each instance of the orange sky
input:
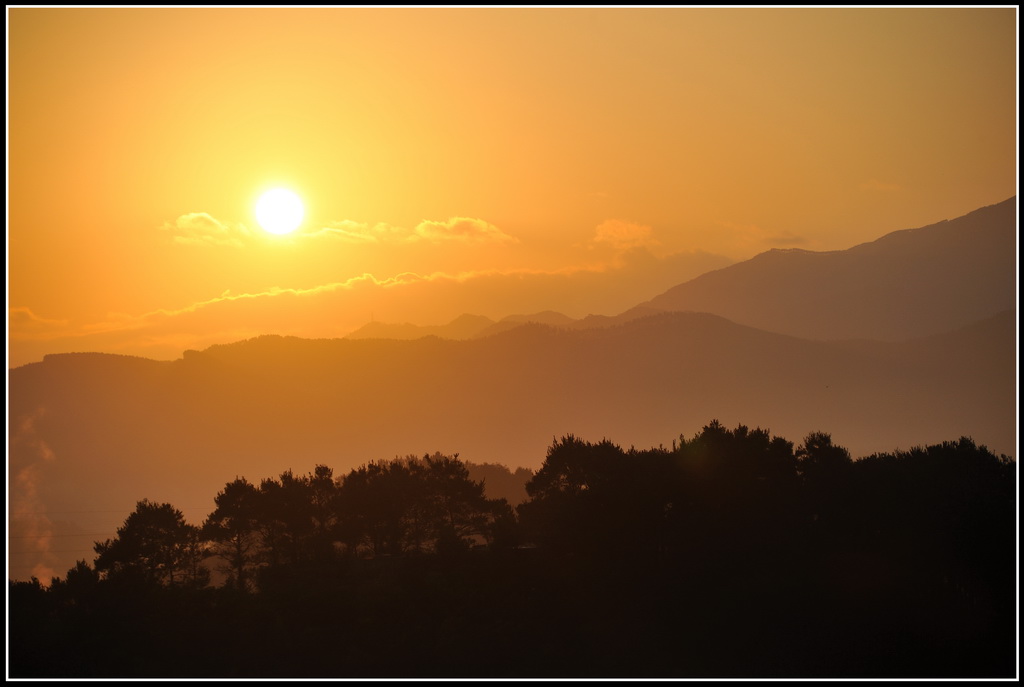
(494, 161)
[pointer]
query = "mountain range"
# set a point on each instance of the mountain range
(790, 341)
(908, 283)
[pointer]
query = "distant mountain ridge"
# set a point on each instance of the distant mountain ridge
(905, 284)
(90, 434)
(94, 433)
(463, 327)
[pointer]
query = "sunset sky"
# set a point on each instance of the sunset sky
(494, 161)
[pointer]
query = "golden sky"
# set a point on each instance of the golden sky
(491, 160)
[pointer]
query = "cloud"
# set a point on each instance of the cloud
(876, 185)
(337, 308)
(201, 228)
(464, 229)
(623, 235)
(269, 309)
(24, 323)
(360, 232)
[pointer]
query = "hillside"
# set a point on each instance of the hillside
(905, 284)
(91, 434)
(463, 327)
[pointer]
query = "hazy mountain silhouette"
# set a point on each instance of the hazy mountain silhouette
(907, 283)
(548, 317)
(462, 327)
(477, 326)
(95, 432)
(922, 324)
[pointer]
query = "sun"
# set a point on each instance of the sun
(279, 211)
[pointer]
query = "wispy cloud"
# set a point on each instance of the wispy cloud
(337, 308)
(27, 324)
(465, 229)
(201, 228)
(624, 235)
(361, 232)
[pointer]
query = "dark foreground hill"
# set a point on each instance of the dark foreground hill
(91, 434)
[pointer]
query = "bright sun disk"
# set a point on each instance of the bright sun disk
(279, 211)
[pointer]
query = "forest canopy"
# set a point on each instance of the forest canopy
(761, 556)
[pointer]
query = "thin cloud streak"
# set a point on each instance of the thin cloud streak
(464, 229)
(624, 235)
(201, 228)
(337, 308)
(30, 325)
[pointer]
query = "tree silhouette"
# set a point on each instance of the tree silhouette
(322, 490)
(154, 544)
(233, 530)
(730, 554)
(825, 470)
(944, 507)
(597, 497)
(79, 587)
(410, 505)
(377, 505)
(820, 461)
(728, 497)
(457, 502)
(297, 517)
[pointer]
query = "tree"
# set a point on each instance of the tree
(825, 469)
(410, 505)
(950, 506)
(79, 588)
(737, 493)
(596, 497)
(297, 517)
(154, 544)
(457, 503)
(819, 460)
(741, 458)
(322, 489)
(573, 466)
(234, 530)
(376, 504)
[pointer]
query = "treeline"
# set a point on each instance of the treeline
(389, 508)
(730, 554)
